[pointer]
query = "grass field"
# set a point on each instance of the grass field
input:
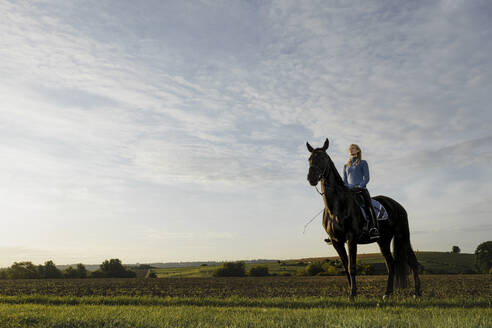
(317, 312)
(448, 301)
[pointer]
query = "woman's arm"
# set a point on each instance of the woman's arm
(345, 174)
(365, 174)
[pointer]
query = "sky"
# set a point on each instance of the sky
(159, 131)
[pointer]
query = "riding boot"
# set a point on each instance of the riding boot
(373, 231)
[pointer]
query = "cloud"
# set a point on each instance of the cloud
(100, 99)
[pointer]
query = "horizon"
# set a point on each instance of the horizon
(159, 132)
(259, 260)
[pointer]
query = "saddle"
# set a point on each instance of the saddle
(379, 210)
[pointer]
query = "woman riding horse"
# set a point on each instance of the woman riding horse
(344, 223)
(356, 177)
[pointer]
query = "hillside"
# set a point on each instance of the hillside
(432, 262)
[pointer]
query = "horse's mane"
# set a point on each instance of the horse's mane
(338, 178)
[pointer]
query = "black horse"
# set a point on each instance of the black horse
(344, 223)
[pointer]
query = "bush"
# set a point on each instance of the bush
(231, 269)
(301, 272)
(483, 257)
(330, 270)
(313, 269)
(113, 269)
(259, 271)
(363, 269)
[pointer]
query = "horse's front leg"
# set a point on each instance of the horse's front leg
(352, 247)
(342, 253)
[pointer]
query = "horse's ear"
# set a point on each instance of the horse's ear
(309, 147)
(325, 146)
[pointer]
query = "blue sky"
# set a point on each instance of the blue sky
(175, 131)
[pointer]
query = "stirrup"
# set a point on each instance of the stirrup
(328, 241)
(374, 233)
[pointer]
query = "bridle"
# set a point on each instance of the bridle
(321, 176)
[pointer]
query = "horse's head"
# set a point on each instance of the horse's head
(318, 163)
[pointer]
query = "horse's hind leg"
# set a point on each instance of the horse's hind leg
(415, 266)
(384, 246)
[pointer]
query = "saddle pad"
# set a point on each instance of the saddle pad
(379, 210)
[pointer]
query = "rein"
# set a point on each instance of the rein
(322, 194)
(324, 182)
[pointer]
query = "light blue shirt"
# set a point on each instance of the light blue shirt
(356, 175)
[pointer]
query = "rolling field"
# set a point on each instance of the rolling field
(448, 301)
(432, 262)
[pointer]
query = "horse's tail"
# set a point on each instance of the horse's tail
(402, 249)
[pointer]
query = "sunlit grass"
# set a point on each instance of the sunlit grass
(422, 314)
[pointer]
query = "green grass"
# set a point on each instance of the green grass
(441, 262)
(290, 267)
(264, 302)
(43, 311)
(449, 301)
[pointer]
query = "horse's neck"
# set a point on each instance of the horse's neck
(332, 193)
(328, 198)
(335, 178)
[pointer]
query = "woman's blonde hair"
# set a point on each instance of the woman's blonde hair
(359, 155)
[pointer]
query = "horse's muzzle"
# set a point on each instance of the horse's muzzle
(313, 178)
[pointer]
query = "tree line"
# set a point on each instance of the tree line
(112, 268)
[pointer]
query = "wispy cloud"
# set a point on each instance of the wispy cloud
(100, 99)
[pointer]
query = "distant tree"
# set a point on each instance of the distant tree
(70, 273)
(81, 271)
(259, 271)
(3, 274)
(483, 257)
(456, 249)
(113, 268)
(77, 273)
(49, 271)
(23, 270)
(231, 269)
